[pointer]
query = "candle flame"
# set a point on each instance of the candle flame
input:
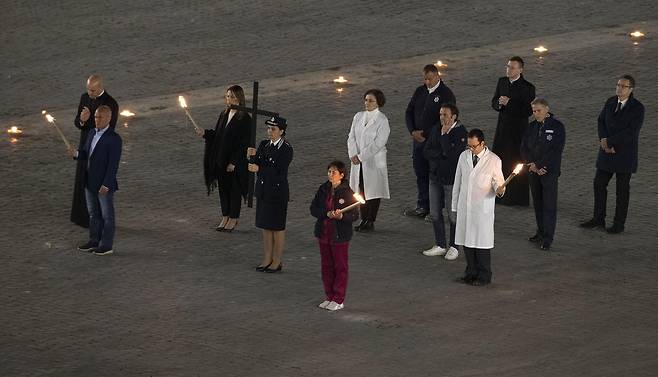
(518, 168)
(440, 64)
(359, 198)
(43, 112)
(340, 80)
(127, 113)
(541, 49)
(14, 130)
(50, 118)
(339, 90)
(182, 102)
(637, 34)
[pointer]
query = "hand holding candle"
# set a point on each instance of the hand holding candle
(183, 104)
(359, 201)
(51, 120)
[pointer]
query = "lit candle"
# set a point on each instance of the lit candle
(516, 172)
(359, 201)
(339, 90)
(340, 80)
(440, 64)
(540, 49)
(51, 120)
(637, 34)
(14, 131)
(183, 104)
(127, 113)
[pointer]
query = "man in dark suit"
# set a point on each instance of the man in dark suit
(619, 126)
(541, 149)
(422, 113)
(84, 121)
(101, 154)
(512, 102)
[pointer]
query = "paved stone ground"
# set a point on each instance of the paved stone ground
(179, 299)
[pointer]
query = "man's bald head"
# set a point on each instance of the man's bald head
(103, 116)
(94, 85)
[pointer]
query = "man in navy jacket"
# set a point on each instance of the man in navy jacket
(442, 149)
(619, 126)
(541, 149)
(102, 152)
(422, 113)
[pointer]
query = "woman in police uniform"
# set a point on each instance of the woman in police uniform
(270, 162)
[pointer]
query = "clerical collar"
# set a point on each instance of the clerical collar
(98, 96)
(432, 89)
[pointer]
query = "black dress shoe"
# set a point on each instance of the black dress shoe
(615, 229)
(593, 223)
(271, 271)
(465, 279)
(480, 283)
(417, 212)
(263, 268)
(358, 227)
(545, 246)
(367, 226)
(535, 239)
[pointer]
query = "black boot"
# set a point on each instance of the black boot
(360, 226)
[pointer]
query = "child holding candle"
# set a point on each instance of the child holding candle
(333, 230)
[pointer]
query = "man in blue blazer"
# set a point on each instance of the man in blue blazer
(102, 152)
(619, 133)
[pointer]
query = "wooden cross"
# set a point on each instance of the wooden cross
(253, 111)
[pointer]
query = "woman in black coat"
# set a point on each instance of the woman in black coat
(271, 162)
(333, 230)
(225, 162)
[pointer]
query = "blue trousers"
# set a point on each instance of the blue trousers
(101, 217)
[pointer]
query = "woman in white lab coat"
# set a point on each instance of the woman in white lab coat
(479, 178)
(366, 146)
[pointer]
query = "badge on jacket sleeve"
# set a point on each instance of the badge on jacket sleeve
(549, 137)
(341, 201)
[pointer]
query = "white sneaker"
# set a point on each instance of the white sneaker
(436, 250)
(452, 254)
(324, 304)
(333, 306)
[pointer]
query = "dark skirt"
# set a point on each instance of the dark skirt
(271, 215)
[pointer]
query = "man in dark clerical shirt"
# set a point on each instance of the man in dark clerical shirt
(94, 97)
(422, 113)
(620, 121)
(512, 101)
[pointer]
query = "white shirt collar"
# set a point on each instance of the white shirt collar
(102, 130)
(623, 103)
(512, 81)
(432, 89)
(276, 142)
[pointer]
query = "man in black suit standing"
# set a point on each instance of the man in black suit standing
(94, 97)
(619, 133)
(101, 154)
(512, 102)
(422, 113)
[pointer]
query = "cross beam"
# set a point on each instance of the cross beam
(254, 112)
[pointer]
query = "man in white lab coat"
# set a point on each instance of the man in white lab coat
(479, 178)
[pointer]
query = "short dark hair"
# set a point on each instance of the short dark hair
(452, 107)
(339, 165)
(476, 133)
(378, 94)
(430, 68)
(631, 80)
(517, 59)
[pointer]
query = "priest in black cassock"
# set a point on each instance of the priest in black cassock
(512, 101)
(94, 97)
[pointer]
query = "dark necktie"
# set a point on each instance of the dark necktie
(475, 159)
(618, 107)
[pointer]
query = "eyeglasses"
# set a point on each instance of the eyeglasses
(472, 147)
